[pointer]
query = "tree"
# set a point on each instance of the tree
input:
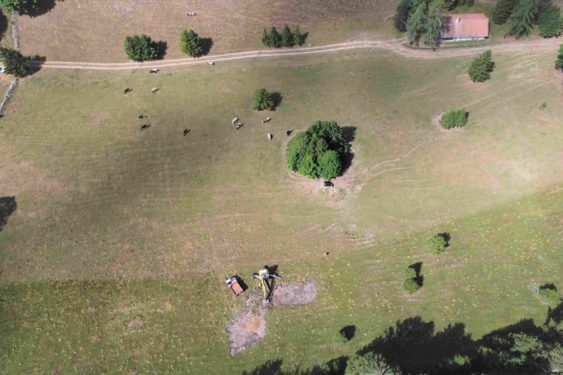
(298, 38)
(481, 67)
(434, 24)
(368, 364)
(329, 165)
(14, 62)
(438, 243)
(417, 23)
(275, 38)
(550, 22)
(559, 60)
(454, 119)
(20, 6)
(287, 37)
(190, 43)
(402, 15)
(502, 11)
(522, 18)
(318, 151)
(262, 100)
(141, 48)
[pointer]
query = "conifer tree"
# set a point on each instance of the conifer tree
(481, 67)
(559, 61)
(286, 37)
(434, 23)
(550, 22)
(275, 38)
(522, 18)
(190, 43)
(502, 11)
(402, 15)
(297, 36)
(416, 24)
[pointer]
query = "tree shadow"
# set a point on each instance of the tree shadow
(36, 8)
(161, 48)
(303, 38)
(272, 367)
(276, 100)
(36, 63)
(417, 267)
(446, 236)
(349, 135)
(7, 207)
(206, 44)
(3, 24)
(348, 331)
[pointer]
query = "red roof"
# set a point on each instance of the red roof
(466, 25)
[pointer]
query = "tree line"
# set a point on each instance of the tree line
(287, 38)
(522, 15)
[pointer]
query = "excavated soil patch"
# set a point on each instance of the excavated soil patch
(294, 294)
(246, 330)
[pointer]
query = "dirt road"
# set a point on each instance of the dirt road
(394, 46)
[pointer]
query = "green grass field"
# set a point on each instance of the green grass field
(115, 257)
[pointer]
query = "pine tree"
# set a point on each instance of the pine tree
(481, 67)
(266, 39)
(297, 36)
(522, 18)
(434, 23)
(286, 37)
(502, 11)
(14, 62)
(416, 24)
(402, 15)
(550, 22)
(559, 61)
(275, 38)
(190, 43)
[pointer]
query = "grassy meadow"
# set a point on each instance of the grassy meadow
(115, 256)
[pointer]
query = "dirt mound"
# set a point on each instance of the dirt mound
(294, 294)
(245, 331)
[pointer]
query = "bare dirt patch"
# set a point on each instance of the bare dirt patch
(295, 294)
(246, 330)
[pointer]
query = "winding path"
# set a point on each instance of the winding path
(394, 46)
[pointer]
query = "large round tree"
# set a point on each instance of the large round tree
(319, 151)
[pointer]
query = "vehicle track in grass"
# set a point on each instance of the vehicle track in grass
(394, 46)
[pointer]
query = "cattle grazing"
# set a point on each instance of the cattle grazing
(288, 132)
(154, 90)
(186, 131)
(234, 121)
(153, 71)
(191, 14)
(127, 90)
(145, 126)
(142, 117)
(267, 119)
(270, 137)
(238, 125)
(211, 62)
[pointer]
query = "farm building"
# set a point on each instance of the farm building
(466, 26)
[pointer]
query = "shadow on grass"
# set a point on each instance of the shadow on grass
(7, 207)
(206, 45)
(3, 24)
(348, 331)
(36, 63)
(161, 48)
(412, 346)
(276, 100)
(349, 134)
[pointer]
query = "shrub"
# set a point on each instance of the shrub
(14, 62)
(438, 243)
(190, 43)
(549, 293)
(141, 48)
(454, 119)
(559, 60)
(481, 67)
(369, 363)
(262, 100)
(411, 285)
(318, 151)
(550, 22)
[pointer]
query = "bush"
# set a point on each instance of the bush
(411, 285)
(454, 119)
(559, 60)
(14, 62)
(318, 152)
(549, 293)
(190, 43)
(141, 48)
(481, 67)
(368, 364)
(550, 22)
(438, 243)
(262, 100)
